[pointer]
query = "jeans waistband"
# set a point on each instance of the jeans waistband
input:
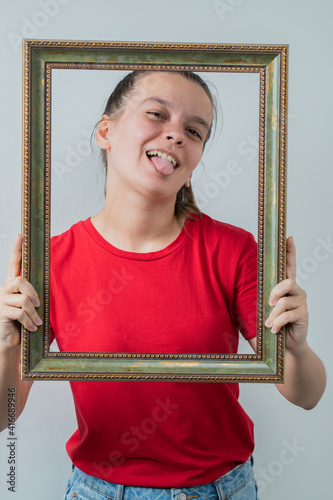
(220, 488)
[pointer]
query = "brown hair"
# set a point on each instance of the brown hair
(185, 200)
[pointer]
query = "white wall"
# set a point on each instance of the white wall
(292, 459)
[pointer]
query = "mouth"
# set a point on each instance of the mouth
(165, 163)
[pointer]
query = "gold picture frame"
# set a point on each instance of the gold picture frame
(41, 58)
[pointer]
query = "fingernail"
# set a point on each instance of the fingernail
(38, 321)
(271, 302)
(37, 303)
(33, 328)
(268, 322)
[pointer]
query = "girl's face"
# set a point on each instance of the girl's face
(157, 141)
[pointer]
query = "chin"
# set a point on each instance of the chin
(155, 190)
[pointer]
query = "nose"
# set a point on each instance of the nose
(175, 133)
(171, 138)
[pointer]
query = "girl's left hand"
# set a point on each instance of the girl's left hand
(289, 301)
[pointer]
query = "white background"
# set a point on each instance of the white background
(292, 456)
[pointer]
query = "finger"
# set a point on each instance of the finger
(285, 287)
(14, 266)
(286, 318)
(23, 302)
(18, 314)
(284, 304)
(290, 258)
(20, 285)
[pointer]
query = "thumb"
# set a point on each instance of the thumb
(15, 261)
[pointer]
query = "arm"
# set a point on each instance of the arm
(18, 300)
(10, 378)
(305, 377)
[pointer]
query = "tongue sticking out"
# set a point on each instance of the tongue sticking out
(162, 165)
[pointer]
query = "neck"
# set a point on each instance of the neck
(134, 223)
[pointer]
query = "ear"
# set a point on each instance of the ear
(103, 133)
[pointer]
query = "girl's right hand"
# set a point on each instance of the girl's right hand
(18, 300)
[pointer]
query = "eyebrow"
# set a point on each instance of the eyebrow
(168, 104)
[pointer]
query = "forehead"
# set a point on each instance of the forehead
(174, 88)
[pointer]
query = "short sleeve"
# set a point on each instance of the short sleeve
(245, 295)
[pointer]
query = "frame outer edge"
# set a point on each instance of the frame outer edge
(25, 209)
(283, 190)
(100, 44)
(30, 45)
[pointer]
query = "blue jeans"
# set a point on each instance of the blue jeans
(237, 484)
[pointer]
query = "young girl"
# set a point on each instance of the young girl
(179, 282)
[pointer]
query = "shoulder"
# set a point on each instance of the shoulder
(227, 245)
(66, 242)
(230, 250)
(216, 231)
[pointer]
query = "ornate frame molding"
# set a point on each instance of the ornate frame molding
(41, 57)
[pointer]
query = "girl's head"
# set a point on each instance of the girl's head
(150, 113)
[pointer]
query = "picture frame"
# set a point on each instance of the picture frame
(40, 59)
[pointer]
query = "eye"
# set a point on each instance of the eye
(194, 133)
(155, 113)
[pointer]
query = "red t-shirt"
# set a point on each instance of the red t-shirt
(191, 297)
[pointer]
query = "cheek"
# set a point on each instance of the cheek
(196, 156)
(139, 132)
(146, 129)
